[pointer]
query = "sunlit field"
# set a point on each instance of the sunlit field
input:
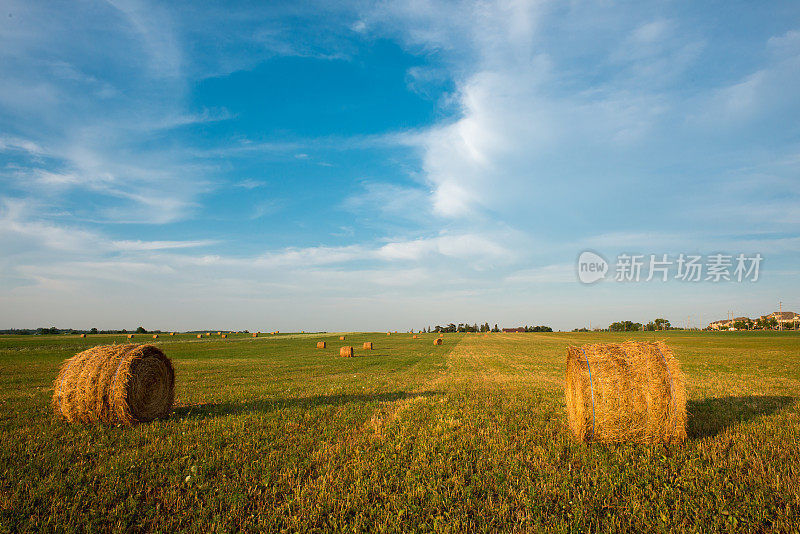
(273, 434)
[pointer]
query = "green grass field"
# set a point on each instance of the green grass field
(272, 434)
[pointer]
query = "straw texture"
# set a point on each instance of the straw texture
(346, 352)
(437, 341)
(113, 384)
(321, 344)
(626, 392)
(368, 345)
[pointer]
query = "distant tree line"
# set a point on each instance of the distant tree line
(466, 327)
(42, 331)
(630, 326)
(540, 328)
(461, 327)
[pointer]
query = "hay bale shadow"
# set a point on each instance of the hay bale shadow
(709, 417)
(223, 409)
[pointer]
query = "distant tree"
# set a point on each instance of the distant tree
(495, 328)
(625, 326)
(45, 331)
(141, 330)
(93, 331)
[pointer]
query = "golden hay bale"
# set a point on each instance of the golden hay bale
(223, 336)
(208, 333)
(341, 338)
(632, 391)
(130, 336)
(199, 336)
(413, 337)
(321, 344)
(172, 333)
(346, 352)
(368, 345)
(388, 333)
(155, 336)
(83, 335)
(437, 341)
(255, 335)
(115, 384)
(441, 335)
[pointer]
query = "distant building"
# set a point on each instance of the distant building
(787, 320)
(520, 329)
(727, 324)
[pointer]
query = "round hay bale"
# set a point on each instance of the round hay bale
(172, 333)
(199, 336)
(388, 333)
(346, 352)
(632, 391)
(83, 335)
(437, 341)
(255, 335)
(321, 344)
(368, 345)
(130, 336)
(114, 384)
(155, 336)
(223, 336)
(341, 338)
(413, 337)
(441, 335)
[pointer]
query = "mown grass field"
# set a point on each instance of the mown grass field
(272, 434)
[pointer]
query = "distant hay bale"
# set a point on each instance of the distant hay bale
(441, 335)
(83, 335)
(437, 341)
(199, 336)
(115, 384)
(130, 336)
(321, 344)
(219, 333)
(255, 335)
(388, 333)
(208, 334)
(632, 391)
(223, 336)
(346, 352)
(155, 336)
(172, 333)
(368, 345)
(341, 338)
(413, 337)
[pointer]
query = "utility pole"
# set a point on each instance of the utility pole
(780, 315)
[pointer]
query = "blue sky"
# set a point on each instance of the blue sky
(369, 166)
